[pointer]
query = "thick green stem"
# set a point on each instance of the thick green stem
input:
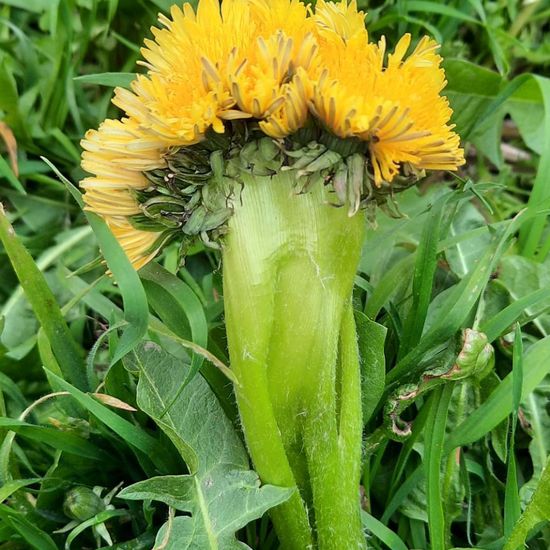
(289, 263)
(333, 445)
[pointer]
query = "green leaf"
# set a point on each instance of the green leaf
(181, 310)
(483, 99)
(12, 486)
(500, 323)
(522, 277)
(480, 98)
(9, 99)
(57, 439)
(136, 310)
(30, 5)
(175, 303)
(470, 90)
(7, 172)
(458, 303)
(512, 506)
(165, 5)
(463, 257)
(537, 416)
(434, 436)
(221, 502)
(393, 280)
(131, 433)
(21, 324)
(526, 108)
(537, 512)
(380, 531)
(371, 337)
(195, 423)
(35, 537)
(424, 271)
(437, 7)
(44, 305)
(531, 233)
(494, 109)
(221, 493)
(402, 492)
(100, 518)
(408, 445)
(107, 79)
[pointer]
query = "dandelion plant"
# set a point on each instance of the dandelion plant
(270, 131)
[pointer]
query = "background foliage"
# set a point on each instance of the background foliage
(108, 435)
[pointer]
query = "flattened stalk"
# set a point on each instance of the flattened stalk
(289, 261)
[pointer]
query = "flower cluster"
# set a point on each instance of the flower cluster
(276, 66)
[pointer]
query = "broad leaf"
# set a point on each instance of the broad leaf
(195, 422)
(221, 493)
(221, 502)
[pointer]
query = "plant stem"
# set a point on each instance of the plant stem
(289, 262)
(333, 446)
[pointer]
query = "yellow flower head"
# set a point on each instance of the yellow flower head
(241, 69)
(396, 107)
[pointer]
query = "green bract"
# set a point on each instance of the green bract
(193, 197)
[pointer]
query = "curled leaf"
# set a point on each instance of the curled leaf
(114, 402)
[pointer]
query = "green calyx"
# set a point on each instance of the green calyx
(192, 198)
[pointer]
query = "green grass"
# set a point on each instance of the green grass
(468, 252)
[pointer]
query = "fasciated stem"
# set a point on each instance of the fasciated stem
(333, 446)
(289, 262)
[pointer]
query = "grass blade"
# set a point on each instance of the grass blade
(424, 271)
(107, 79)
(45, 306)
(537, 511)
(459, 302)
(12, 486)
(399, 496)
(169, 296)
(102, 517)
(7, 173)
(380, 531)
(35, 537)
(57, 439)
(531, 233)
(132, 434)
(440, 8)
(504, 319)
(512, 506)
(136, 310)
(434, 436)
